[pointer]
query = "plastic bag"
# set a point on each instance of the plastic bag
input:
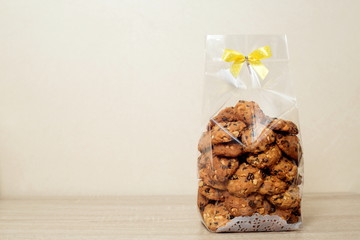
(250, 166)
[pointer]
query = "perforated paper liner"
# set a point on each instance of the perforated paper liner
(258, 223)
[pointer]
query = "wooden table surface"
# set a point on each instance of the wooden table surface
(326, 216)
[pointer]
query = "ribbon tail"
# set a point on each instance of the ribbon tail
(260, 69)
(236, 67)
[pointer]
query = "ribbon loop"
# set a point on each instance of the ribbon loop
(253, 59)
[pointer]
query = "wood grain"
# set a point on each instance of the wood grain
(326, 216)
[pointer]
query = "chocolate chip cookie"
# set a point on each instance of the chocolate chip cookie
(210, 193)
(257, 138)
(203, 159)
(265, 208)
(245, 181)
(215, 216)
(205, 142)
(226, 115)
(284, 214)
(226, 132)
(293, 219)
(243, 206)
(285, 170)
(231, 149)
(249, 112)
(265, 159)
(207, 176)
(222, 168)
(272, 185)
(202, 201)
(283, 126)
(289, 144)
(287, 200)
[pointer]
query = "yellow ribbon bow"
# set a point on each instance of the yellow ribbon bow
(253, 59)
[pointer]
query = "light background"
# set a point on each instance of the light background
(104, 97)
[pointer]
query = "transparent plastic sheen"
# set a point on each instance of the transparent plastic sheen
(250, 163)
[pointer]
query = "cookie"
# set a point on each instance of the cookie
(215, 216)
(295, 216)
(243, 206)
(283, 126)
(272, 185)
(202, 201)
(226, 132)
(249, 112)
(298, 180)
(205, 142)
(222, 168)
(207, 176)
(210, 193)
(285, 170)
(289, 145)
(225, 115)
(257, 138)
(287, 200)
(293, 219)
(231, 149)
(265, 159)
(203, 159)
(265, 208)
(245, 181)
(284, 214)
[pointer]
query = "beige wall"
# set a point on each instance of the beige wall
(104, 97)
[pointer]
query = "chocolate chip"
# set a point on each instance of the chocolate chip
(285, 143)
(252, 204)
(272, 209)
(250, 177)
(234, 177)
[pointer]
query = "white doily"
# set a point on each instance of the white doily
(258, 223)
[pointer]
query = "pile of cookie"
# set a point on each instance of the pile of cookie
(248, 164)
